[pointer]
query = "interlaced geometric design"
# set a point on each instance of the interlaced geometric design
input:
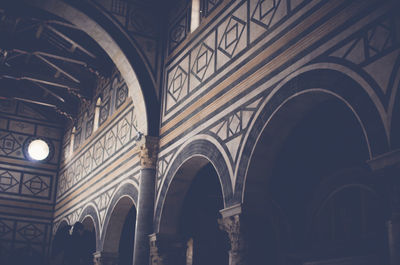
(7, 181)
(30, 232)
(177, 83)
(9, 144)
(4, 229)
(36, 185)
(231, 36)
(264, 12)
(202, 61)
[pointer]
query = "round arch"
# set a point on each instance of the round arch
(119, 47)
(126, 189)
(116, 219)
(359, 177)
(288, 105)
(90, 213)
(180, 175)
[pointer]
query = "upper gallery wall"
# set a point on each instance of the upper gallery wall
(224, 80)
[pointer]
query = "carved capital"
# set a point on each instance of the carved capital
(166, 250)
(233, 228)
(148, 151)
(233, 225)
(105, 258)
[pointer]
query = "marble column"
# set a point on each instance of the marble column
(105, 258)
(232, 223)
(393, 225)
(388, 167)
(144, 220)
(167, 250)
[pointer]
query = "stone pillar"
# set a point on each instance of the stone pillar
(232, 223)
(105, 258)
(167, 250)
(388, 166)
(144, 220)
(393, 226)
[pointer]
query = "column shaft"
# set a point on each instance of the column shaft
(144, 219)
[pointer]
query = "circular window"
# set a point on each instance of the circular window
(38, 150)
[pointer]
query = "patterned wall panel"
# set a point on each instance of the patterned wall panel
(139, 21)
(258, 46)
(98, 151)
(239, 27)
(26, 184)
(27, 189)
(113, 92)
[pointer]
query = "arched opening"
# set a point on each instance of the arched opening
(310, 138)
(72, 142)
(191, 213)
(205, 242)
(89, 237)
(120, 233)
(60, 243)
(350, 215)
(96, 114)
(195, 15)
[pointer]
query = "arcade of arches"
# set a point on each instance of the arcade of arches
(200, 132)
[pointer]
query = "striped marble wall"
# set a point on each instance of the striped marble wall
(220, 79)
(27, 188)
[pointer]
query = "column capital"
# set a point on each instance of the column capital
(105, 258)
(232, 224)
(166, 250)
(148, 147)
(385, 160)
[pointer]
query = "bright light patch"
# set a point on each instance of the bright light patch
(38, 150)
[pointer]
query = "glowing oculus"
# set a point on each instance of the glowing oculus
(38, 150)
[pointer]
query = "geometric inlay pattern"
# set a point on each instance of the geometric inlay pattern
(122, 94)
(202, 61)
(210, 5)
(37, 185)
(89, 127)
(162, 166)
(231, 129)
(372, 48)
(7, 181)
(370, 43)
(104, 111)
(264, 12)
(98, 152)
(177, 33)
(30, 232)
(4, 229)
(177, 83)
(231, 36)
(9, 144)
(102, 202)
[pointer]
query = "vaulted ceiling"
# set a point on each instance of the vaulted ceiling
(48, 62)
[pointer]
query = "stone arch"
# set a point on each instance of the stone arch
(190, 159)
(90, 212)
(301, 93)
(395, 111)
(359, 177)
(59, 240)
(112, 228)
(125, 189)
(125, 54)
